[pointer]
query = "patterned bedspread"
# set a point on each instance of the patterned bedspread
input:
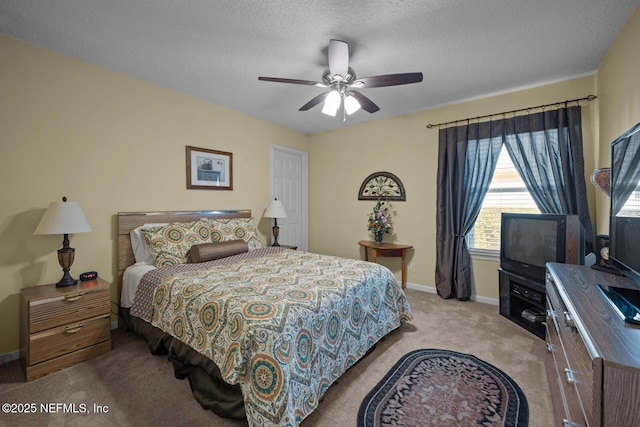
(284, 325)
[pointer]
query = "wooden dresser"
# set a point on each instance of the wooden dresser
(593, 357)
(63, 326)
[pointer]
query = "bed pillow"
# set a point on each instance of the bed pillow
(169, 245)
(210, 251)
(223, 230)
(139, 244)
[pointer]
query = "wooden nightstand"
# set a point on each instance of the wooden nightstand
(294, 247)
(63, 326)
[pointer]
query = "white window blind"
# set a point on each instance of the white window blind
(632, 206)
(507, 193)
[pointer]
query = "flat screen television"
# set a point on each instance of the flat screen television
(529, 241)
(624, 222)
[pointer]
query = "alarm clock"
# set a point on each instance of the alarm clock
(89, 275)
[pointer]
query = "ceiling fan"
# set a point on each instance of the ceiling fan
(343, 81)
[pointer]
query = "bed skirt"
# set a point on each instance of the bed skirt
(207, 386)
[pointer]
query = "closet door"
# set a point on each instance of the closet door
(289, 184)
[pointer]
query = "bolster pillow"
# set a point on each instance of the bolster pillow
(210, 251)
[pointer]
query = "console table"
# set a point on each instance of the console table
(387, 250)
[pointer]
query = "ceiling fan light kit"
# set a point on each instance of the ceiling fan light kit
(335, 99)
(342, 81)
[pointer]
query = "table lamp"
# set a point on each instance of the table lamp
(275, 210)
(64, 218)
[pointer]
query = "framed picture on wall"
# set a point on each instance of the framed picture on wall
(209, 169)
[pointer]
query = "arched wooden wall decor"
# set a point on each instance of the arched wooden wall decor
(382, 185)
(601, 178)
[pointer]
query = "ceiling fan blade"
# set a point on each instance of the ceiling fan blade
(365, 103)
(294, 81)
(338, 57)
(314, 101)
(388, 80)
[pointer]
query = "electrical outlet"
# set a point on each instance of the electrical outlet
(412, 268)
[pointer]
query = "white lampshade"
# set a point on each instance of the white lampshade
(351, 104)
(63, 218)
(332, 103)
(275, 210)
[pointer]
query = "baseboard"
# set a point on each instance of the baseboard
(421, 288)
(432, 290)
(485, 300)
(9, 357)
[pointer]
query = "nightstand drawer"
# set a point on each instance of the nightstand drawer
(63, 310)
(68, 338)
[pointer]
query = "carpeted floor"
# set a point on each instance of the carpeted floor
(135, 388)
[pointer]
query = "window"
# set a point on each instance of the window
(507, 193)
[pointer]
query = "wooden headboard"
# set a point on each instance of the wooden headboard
(127, 221)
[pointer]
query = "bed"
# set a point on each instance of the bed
(260, 332)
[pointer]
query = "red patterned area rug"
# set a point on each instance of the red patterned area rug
(444, 388)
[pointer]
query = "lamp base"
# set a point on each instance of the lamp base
(66, 256)
(66, 282)
(276, 233)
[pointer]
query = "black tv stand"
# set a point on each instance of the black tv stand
(523, 301)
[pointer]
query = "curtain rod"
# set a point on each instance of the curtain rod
(555, 104)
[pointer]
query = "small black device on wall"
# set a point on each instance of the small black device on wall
(89, 275)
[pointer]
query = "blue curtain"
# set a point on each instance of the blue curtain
(467, 158)
(546, 149)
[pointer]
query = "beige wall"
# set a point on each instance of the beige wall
(404, 146)
(111, 143)
(618, 84)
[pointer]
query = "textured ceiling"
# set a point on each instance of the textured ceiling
(215, 50)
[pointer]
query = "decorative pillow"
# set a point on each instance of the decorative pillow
(235, 229)
(210, 251)
(170, 244)
(139, 244)
(167, 259)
